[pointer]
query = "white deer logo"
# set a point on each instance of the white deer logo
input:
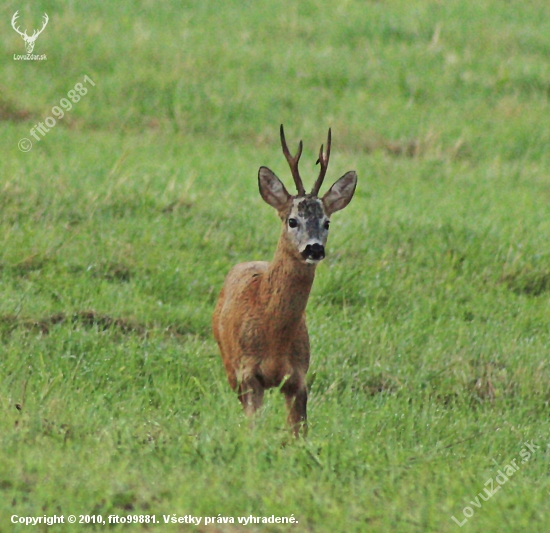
(29, 41)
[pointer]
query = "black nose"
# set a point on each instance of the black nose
(314, 251)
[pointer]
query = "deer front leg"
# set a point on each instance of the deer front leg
(251, 395)
(296, 403)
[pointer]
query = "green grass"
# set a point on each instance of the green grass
(429, 319)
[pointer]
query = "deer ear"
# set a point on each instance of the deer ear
(272, 190)
(341, 193)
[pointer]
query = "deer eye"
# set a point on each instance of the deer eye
(292, 222)
(326, 224)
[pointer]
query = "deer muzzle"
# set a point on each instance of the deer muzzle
(313, 253)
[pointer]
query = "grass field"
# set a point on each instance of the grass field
(429, 319)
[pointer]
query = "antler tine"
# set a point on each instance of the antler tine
(36, 33)
(293, 163)
(45, 23)
(13, 21)
(323, 160)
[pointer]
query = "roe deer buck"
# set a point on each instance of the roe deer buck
(259, 320)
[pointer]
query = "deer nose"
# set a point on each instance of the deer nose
(315, 251)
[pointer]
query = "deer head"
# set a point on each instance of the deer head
(29, 40)
(306, 217)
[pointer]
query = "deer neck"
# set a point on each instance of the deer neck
(286, 288)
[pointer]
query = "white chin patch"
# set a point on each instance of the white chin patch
(313, 261)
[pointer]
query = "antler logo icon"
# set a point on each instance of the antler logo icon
(29, 40)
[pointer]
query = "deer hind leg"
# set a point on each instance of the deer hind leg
(251, 395)
(296, 403)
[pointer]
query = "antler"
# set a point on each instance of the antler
(13, 20)
(44, 24)
(35, 33)
(323, 160)
(293, 163)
